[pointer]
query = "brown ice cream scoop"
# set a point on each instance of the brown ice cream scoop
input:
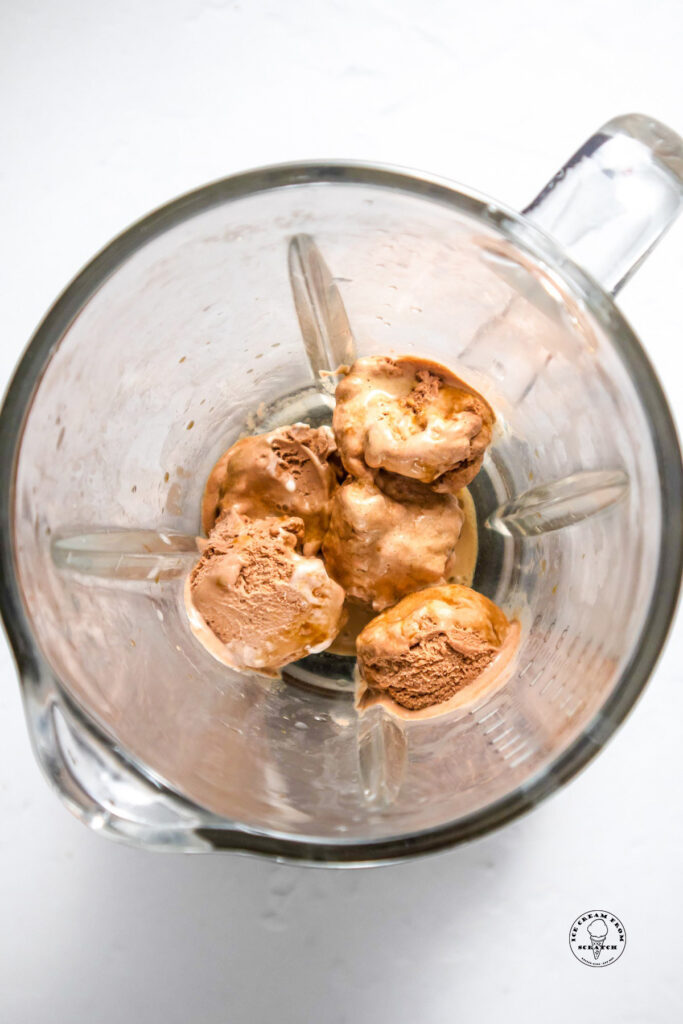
(383, 544)
(430, 646)
(286, 472)
(412, 417)
(265, 602)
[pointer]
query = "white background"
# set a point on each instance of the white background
(111, 109)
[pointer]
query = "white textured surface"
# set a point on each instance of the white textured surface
(109, 110)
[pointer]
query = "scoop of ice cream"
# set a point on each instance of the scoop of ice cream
(429, 646)
(383, 544)
(412, 417)
(598, 930)
(286, 472)
(266, 603)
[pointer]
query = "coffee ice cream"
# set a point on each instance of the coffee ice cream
(383, 502)
(255, 600)
(411, 417)
(433, 646)
(286, 472)
(382, 544)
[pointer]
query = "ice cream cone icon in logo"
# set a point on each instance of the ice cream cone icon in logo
(598, 933)
(597, 938)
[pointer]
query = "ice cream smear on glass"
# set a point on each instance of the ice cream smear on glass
(312, 532)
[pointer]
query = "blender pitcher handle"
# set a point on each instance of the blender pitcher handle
(614, 199)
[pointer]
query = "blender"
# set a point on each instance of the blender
(214, 317)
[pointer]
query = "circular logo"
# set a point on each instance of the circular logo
(597, 938)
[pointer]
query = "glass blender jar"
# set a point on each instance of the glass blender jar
(213, 317)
